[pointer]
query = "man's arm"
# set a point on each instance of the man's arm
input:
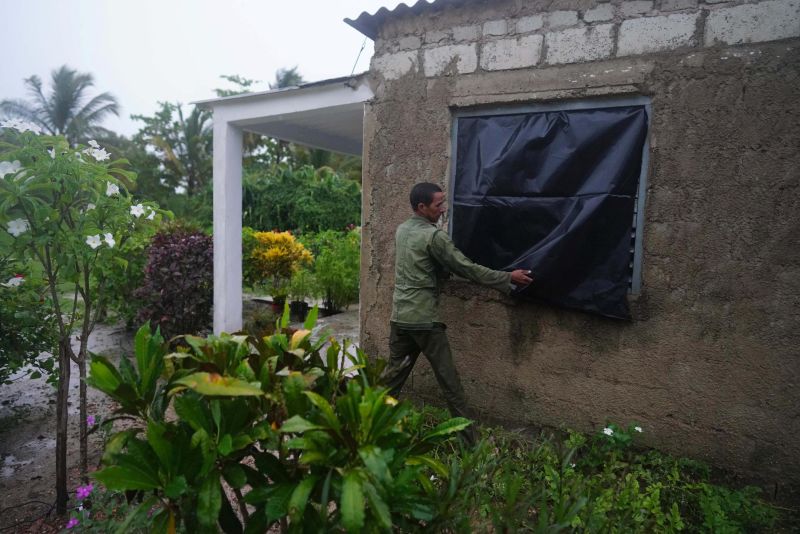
(446, 253)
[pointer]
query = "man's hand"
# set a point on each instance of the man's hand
(521, 277)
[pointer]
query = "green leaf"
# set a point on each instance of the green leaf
(216, 384)
(451, 426)
(209, 500)
(225, 445)
(135, 514)
(190, 409)
(299, 498)
(103, 375)
(325, 408)
(235, 476)
(115, 444)
(299, 425)
(278, 503)
(378, 506)
(161, 444)
(176, 487)
(285, 316)
(123, 478)
(376, 464)
(352, 503)
(434, 464)
(311, 318)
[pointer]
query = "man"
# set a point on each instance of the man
(424, 257)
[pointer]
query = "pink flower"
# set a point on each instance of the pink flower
(90, 420)
(84, 491)
(72, 523)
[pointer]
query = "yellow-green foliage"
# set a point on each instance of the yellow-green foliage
(275, 257)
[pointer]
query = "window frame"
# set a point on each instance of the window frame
(637, 225)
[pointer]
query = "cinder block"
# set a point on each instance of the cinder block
(654, 34)
(437, 59)
(580, 44)
(675, 5)
(512, 53)
(436, 36)
(495, 27)
(753, 23)
(600, 13)
(409, 42)
(466, 33)
(636, 7)
(562, 19)
(530, 24)
(397, 65)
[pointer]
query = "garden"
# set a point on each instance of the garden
(158, 425)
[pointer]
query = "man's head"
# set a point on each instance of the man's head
(427, 200)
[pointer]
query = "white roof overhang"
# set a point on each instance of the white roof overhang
(327, 114)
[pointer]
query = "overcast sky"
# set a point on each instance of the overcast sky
(145, 51)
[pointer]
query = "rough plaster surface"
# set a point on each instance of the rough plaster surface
(709, 366)
(438, 60)
(600, 13)
(580, 44)
(512, 53)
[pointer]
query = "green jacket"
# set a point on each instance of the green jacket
(424, 257)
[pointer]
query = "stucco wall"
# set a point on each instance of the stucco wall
(710, 365)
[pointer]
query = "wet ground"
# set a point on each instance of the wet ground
(27, 426)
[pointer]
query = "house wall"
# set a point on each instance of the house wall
(710, 365)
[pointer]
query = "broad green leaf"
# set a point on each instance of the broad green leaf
(161, 444)
(325, 409)
(209, 500)
(216, 384)
(299, 425)
(378, 506)
(225, 445)
(235, 476)
(448, 427)
(103, 375)
(278, 503)
(189, 408)
(352, 503)
(115, 444)
(133, 516)
(438, 467)
(176, 487)
(123, 478)
(299, 498)
(311, 318)
(375, 463)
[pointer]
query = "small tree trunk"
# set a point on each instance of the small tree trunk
(62, 414)
(82, 423)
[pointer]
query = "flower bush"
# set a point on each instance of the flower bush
(278, 425)
(177, 290)
(337, 267)
(67, 211)
(273, 258)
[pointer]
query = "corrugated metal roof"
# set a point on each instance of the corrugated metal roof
(370, 25)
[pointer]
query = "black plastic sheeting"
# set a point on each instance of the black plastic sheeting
(553, 192)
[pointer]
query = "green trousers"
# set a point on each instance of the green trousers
(405, 346)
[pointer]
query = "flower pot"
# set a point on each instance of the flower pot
(298, 309)
(277, 305)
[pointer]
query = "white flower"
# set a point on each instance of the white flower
(152, 215)
(52, 152)
(137, 210)
(9, 167)
(16, 281)
(18, 227)
(110, 240)
(111, 189)
(637, 428)
(21, 126)
(90, 206)
(93, 241)
(608, 431)
(93, 144)
(96, 152)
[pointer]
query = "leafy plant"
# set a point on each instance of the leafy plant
(177, 291)
(274, 257)
(337, 267)
(280, 423)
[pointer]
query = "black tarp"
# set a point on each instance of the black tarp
(554, 192)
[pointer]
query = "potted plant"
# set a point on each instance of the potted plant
(274, 259)
(301, 287)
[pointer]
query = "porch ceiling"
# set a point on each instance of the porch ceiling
(327, 114)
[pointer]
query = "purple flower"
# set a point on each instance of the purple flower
(90, 420)
(72, 523)
(84, 491)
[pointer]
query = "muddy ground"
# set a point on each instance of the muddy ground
(27, 429)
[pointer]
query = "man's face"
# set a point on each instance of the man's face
(435, 209)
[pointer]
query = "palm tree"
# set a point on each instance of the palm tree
(65, 110)
(287, 78)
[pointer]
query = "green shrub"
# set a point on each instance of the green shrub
(302, 199)
(278, 422)
(177, 291)
(337, 267)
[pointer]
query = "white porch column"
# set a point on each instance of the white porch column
(227, 225)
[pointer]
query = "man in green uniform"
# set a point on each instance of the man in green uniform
(424, 257)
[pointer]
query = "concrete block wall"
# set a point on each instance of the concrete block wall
(600, 31)
(710, 364)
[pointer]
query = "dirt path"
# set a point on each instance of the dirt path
(27, 426)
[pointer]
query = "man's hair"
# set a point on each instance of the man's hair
(423, 192)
